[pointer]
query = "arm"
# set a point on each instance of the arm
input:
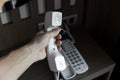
(13, 65)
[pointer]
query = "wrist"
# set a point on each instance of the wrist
(36, 52)
(19, 61)
(29, 50)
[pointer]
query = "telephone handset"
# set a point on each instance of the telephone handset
(56, 61)
(69, 62)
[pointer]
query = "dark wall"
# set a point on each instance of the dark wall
(102, 21)
(99, 20)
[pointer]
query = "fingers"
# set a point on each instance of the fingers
(59, 36)
(59, 48)
(59, 42)
(53, 33)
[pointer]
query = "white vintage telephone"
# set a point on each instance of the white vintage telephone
(56, 60)
(68, 69)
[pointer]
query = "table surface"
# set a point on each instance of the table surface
(95, 57)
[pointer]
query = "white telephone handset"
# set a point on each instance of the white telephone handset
(56, 60)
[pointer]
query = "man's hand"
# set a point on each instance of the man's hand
(39, 43)
(19, 60)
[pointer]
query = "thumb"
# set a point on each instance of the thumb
(54, 33)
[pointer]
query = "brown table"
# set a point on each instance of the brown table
(100, 64)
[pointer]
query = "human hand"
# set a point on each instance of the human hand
(39, 43)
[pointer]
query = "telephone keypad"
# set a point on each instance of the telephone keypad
(74, 57)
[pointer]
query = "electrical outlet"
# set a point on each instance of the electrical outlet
(73, 19)
(69, 20)
(40, 26)
(6, 17)
(41, 6)
(58, 4)
(72, 2)
(24, 11)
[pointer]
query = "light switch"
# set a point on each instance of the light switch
(72, 2)
(24, 11)
(58, 4)
(41, 6)
(6, 17)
